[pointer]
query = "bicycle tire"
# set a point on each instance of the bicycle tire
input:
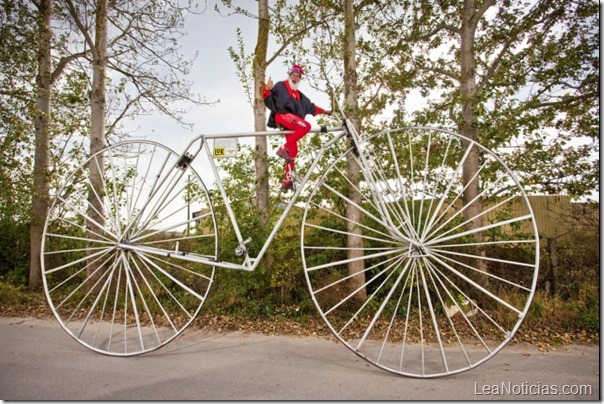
(425, 288)
(113, 299)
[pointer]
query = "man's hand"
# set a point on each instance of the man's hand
(269, 84)
(328, 112)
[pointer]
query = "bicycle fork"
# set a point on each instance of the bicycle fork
(378, 197)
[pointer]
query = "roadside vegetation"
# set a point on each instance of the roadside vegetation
(277, 300)
(520, 77)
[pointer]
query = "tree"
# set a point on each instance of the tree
(288, 25)
(98, 47)
(521, 74)
(259, 74)
(18, 67)
(353, 171)
(471, 15)
(40, 188)
(30, 144)
(142, 51)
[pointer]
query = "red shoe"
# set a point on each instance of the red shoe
(284, 154)
(288, 181)
(287, 185)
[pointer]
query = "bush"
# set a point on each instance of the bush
(14, 252)
(556, 313)
(19, 298)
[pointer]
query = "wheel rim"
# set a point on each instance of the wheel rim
(108, 297)
(442, 287)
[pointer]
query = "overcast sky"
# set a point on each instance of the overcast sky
(214, 77)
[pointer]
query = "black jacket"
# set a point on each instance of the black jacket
(281, 102)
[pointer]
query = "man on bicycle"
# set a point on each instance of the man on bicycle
(288, 108)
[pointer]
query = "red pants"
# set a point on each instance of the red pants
(298, 125)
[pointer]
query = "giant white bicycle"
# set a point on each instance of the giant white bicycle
(408, 273)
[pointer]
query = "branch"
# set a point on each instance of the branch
(565, 101)
(365, 3)
(18, 94)
(514, 33)
(440, 27)
(238, 10)
(441, 71)
(480, 12)
(291, 38)
(492, 70)
(124, 30)
(78, 22)
(123, 114)
(371, 99)
(65, 61)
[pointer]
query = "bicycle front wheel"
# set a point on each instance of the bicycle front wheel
(109, 296)
(408, 268)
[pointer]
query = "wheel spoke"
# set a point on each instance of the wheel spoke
(437, 282)
(109, 296)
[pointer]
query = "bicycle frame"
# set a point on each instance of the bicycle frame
(192, 151)
(415, 275)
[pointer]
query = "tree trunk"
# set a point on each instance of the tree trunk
(99, 80)
(97, 121)
(40, 188)
(467, 128)
(353, 213)
(261, 161)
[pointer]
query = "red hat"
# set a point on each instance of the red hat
(296, 69)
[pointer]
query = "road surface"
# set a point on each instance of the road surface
(40, 361)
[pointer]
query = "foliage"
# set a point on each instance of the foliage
(17, 74)
(579, 267)
(564, 315)
(537, 74)
(18, 300)
(14, 251)
(539, 69)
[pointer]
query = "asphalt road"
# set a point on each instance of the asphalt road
(39, 361)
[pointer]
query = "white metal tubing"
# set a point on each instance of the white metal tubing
(249, 264)
(201, 138)
(267, 133)
(377, 196)
(225, 198)
(180, 255)
(294, 198)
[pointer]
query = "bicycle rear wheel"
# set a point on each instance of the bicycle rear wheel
(110, 297)
(421, 282)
